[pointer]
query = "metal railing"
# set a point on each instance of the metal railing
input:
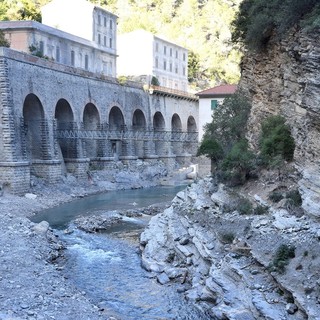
(145, 135)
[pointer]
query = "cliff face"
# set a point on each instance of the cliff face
(285, 79)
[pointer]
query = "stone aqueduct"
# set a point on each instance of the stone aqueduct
(57, 119)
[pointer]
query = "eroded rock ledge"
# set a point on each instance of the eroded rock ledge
(222, 259)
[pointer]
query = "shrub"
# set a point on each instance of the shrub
(276, 142)
(260, 209)
(227, 237)
(275, 196)
(244, 206)
(294, 198)
(281, 258)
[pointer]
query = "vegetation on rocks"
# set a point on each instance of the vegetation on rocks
(281, 258)
(258, 20)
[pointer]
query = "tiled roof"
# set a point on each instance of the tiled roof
(223, 90)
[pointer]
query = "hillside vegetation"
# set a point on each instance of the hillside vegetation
(258, 20)
(202, 26)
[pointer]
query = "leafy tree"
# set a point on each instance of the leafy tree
(193, 66)
(224, 141)
(276, 143)
(238, 163)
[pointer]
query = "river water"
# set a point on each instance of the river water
(107, 267)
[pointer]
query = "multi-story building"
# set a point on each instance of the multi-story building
(143, 54)
(86, 41)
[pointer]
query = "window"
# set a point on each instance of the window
(41, 47)
(164, 65)
(111, 25)
(57, 54)
(176, 69)
(105, 41)
(104, 21)
(99, 38)
(165, 50)
(170, 52)
(184, 71)
(157, 47)
(184, 56)
(110, 42)
(176, 54)
(214, 104)
(72, 58)
(99, 20)
(157, 62)
(170, 66)
(86, 62)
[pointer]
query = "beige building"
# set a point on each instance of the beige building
(86, 41)
(140, 53)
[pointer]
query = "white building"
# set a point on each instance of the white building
(209, 100)
(140, 53)
(85, 39)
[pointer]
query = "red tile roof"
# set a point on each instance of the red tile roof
(222, 90)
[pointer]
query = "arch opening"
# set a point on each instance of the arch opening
(139, 124)
(33, 115)
(91, 123)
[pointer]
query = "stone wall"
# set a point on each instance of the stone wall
(285, 79)
(39, 96)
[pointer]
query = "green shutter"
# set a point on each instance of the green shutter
(214, 104)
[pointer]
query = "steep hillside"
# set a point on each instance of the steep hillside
(285, 79)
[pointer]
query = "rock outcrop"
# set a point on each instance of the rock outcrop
(231, 264)
(285, 79)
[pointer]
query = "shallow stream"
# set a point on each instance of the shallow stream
(106, 266)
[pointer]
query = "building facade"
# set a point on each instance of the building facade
(209, 99)
(140, 53)
(91, 47)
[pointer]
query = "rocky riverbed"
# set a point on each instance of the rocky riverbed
(31, 284)
(236, 266)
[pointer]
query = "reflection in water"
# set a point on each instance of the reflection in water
(59, 217)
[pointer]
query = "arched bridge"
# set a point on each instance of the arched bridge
(56, 118)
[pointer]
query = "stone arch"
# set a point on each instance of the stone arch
(139, 123)
(176, 129)
(116, 119)
(35, 128)
(160, 137)
(65, 122)
(116, 126)
(191, 124)
(159, 123)
(176, 124)
(139, 120)
(190, 146)
(91, 124)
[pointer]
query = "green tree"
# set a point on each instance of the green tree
(224, 141)
(3, 41)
